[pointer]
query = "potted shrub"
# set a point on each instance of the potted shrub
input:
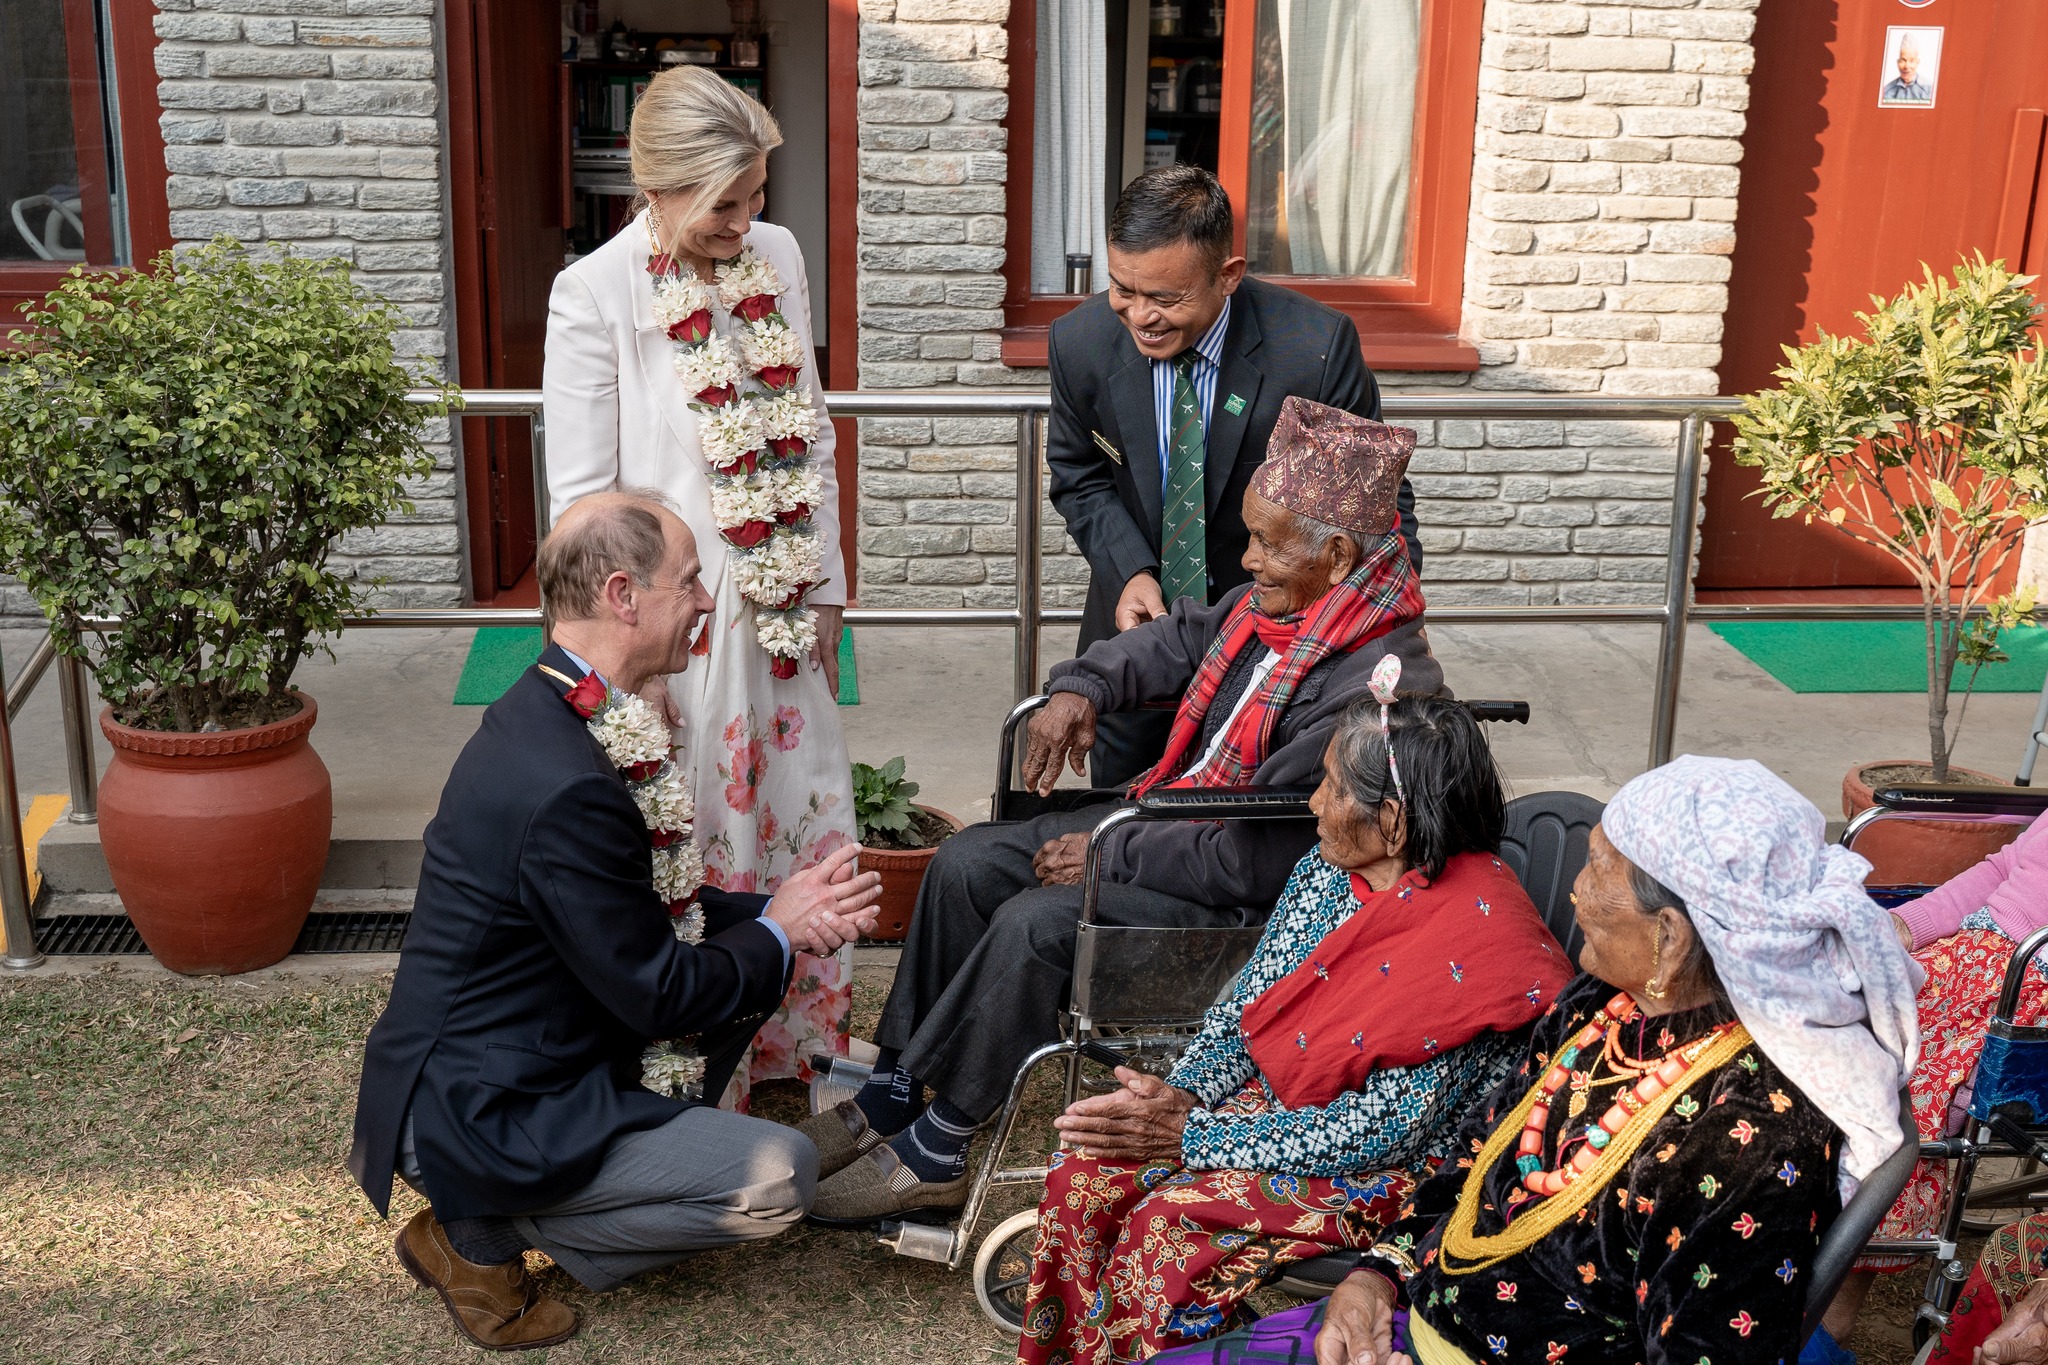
(181, 449)
(898, 838)
(1926, 437)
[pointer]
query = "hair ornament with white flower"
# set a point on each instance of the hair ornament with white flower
(756, 424)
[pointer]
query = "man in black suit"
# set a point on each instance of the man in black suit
(1165, 388)
(504, 1079)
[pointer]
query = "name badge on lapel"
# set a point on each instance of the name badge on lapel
(1102, 442)
(1234, 404)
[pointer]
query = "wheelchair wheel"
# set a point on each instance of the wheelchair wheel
(1002, 1270)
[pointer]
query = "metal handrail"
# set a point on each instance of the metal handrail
(1027, 618)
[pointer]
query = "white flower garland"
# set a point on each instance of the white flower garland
(637, 740)
(756, 424)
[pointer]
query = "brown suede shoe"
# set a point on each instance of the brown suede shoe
(841, 1134)
(496, 1306)
(878, 1185)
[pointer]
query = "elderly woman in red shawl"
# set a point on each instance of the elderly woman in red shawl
(1259, 680)
(1387, 995)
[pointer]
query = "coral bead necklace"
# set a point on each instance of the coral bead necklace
(1653, 1078)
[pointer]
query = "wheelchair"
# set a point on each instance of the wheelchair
(2008, 1110)
(1139, 994)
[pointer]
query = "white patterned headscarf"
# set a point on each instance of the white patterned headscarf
(1810, 961)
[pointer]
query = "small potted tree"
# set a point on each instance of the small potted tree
(1926, 437)
(898, 839)
(181, 449)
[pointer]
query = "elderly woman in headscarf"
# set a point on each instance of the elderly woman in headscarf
(1652, 1182)
(1390, 992)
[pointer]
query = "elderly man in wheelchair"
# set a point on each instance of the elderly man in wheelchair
(1260, 679)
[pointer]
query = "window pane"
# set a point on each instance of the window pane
(45, 203)
(1332, 136)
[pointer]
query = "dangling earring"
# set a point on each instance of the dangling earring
(1651, 988)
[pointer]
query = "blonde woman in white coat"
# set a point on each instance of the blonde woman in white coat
(663, 360)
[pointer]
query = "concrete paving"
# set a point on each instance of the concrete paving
(389, 733)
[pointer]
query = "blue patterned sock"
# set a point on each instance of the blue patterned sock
(892, 1098)
(935, 1147)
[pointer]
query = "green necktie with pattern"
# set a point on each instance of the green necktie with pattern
(1184, 531)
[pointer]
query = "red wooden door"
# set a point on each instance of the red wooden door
(1843, 198)
(508, 162)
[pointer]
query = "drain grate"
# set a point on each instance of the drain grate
(326, 931)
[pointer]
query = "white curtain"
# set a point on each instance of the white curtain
(1350, 70)
(1070, 129)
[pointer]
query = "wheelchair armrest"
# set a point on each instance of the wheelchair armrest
(1503, 711)
(1006, 750)
(1940, 798)
(1226, 803)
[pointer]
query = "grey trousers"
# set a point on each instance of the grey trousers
(706, 1178)
(989, 961)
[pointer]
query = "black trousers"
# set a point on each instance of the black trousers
(990, 957)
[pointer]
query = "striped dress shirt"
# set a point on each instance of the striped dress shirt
(1208, 365)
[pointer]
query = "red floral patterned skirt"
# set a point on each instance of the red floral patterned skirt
(1965, 972)
(2012, 1257)
(1134, 1260)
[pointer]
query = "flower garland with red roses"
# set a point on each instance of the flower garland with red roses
(756, 426)
(637, 740)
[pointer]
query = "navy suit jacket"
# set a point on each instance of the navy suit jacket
(538, 963)
(1279, 342)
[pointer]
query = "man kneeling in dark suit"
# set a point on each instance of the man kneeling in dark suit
(504, 1080)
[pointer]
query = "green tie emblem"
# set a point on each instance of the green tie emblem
(1183, 531)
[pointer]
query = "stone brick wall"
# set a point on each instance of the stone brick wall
(1603, 203)
(938, 494)
(316, 124)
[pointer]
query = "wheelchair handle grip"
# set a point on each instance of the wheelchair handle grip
(1501, 711)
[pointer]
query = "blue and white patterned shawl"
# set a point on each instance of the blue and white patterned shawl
(1810, 961)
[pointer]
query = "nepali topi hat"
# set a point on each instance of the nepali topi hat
(1335, 467)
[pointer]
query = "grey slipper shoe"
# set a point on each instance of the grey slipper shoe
(841, 1135)
(878, 1185)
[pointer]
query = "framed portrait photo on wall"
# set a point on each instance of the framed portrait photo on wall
(1912, 68)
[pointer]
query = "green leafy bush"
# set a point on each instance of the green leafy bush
(182, 448)
(881, 802)
(1927, 437)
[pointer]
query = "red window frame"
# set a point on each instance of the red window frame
(142, 151)
(1405, 322)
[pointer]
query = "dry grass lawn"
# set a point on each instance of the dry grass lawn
(172, 1189)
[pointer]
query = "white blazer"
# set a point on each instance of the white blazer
(617, 415)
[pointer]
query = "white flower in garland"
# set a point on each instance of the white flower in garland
(672, 1069)
(746, 276)
(779, 566)
(631, 731)
(735, 502)
(794, 486)
(789, 416)
(771, 343)
(710, 364)
(728, 433)
(677, 297)
(787, 634)
(678, 872)
(664, 802)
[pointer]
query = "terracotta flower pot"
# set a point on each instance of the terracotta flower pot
(1920, 852)
(217, 841)
(902, 874)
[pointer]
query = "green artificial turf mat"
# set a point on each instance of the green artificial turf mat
(1874, 656)
(499, 654)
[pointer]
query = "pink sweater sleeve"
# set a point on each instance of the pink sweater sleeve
(1941, 911)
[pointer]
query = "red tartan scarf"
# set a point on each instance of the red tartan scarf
(1418, 969)
(1381, 593)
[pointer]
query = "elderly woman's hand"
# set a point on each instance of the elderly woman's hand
(1358, 1325)
(1141, 1121)
(2022, 1337)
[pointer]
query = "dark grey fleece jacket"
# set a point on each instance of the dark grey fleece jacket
(1237, 863)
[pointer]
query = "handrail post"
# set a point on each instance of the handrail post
(543, 502)
(1025, 680)
(79, 755)
(15, 912)
(1685, 506)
